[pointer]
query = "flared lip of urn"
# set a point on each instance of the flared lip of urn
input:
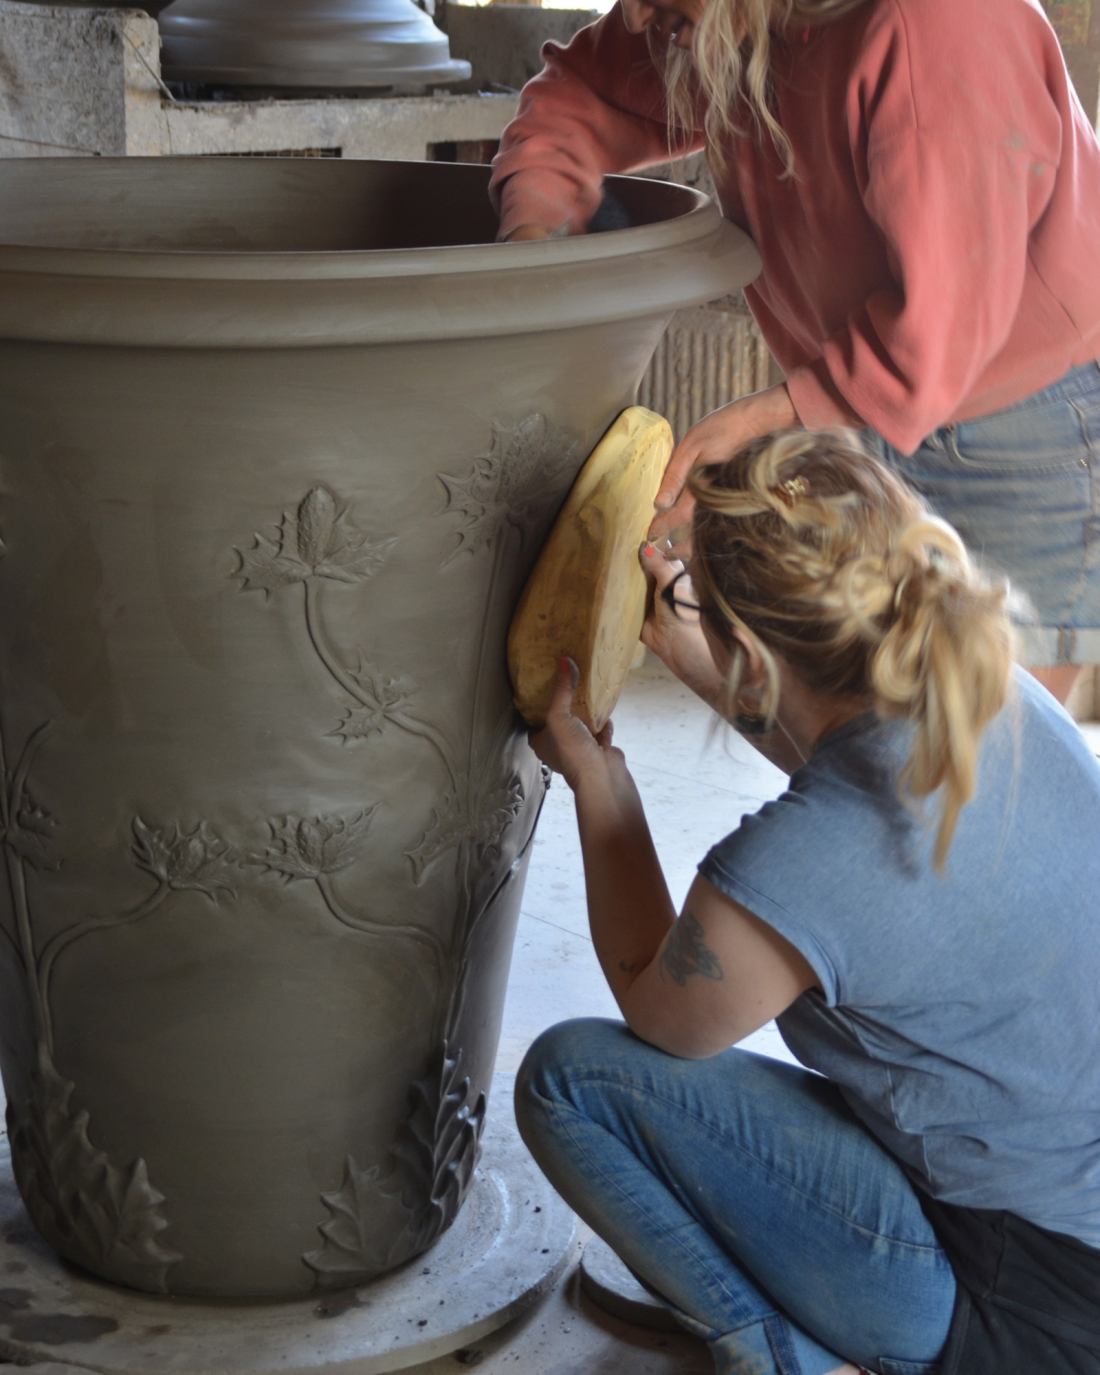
(218, 252)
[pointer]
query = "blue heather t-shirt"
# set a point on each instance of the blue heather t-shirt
(961, 1014)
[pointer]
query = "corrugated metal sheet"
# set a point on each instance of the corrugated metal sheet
(709, 355)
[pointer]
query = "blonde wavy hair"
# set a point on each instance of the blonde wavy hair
(729, 66)
(818, 553)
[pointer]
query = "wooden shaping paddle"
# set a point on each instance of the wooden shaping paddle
(586, 596)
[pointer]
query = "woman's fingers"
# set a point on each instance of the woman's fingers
(660, 568)
(565, 686)
(674, 504)
(714, 439)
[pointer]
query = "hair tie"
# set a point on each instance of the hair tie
(788, 492)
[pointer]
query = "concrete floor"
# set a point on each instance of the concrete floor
(696, 784)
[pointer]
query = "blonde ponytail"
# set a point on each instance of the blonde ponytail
(822, 556)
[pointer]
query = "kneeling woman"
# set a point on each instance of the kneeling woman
(919, 913)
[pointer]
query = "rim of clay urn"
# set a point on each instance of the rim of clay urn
(217, 298)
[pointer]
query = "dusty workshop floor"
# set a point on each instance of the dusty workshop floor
(696, 787)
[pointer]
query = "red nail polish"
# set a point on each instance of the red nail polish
(563, 665)
(649, 551)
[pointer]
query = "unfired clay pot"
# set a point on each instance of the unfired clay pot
(279, 442)
(331, 44)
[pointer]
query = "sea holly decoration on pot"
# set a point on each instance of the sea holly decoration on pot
(90, 1208)
(509, 492)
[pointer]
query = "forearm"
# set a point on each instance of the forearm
(598, 107)
(629, 907)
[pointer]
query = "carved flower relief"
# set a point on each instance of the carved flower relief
(198, 860)
(30, 833)
(518, 482)
(316, 541)
(313, 847)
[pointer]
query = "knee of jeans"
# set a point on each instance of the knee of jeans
(544, 1076)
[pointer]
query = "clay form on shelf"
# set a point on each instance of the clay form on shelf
(281, 442)
(151, 7)
(329, 44)
(586, 597)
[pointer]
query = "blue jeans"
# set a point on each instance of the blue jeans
(1022, 488)
(746, 1194)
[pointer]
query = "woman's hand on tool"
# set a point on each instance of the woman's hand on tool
(674, 631)
(565, 744)
(715, 438)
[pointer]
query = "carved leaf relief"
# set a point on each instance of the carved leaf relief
(433, 1165)
(382, 700)
(351, 1240)
(83, 1204)
(519, 481)
(316, 541)
(438, 1148)
(453, 825)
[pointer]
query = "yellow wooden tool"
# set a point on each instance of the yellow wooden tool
(586, 596)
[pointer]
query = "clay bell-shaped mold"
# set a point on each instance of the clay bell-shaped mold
(151, 7)
(306, 44)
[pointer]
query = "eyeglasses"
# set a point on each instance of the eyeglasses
(677, 604)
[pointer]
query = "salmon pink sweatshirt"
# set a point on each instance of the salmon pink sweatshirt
(936, 255)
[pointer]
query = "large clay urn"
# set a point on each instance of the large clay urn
(279, 443)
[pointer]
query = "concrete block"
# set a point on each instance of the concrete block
(63, 75)
(503, 42)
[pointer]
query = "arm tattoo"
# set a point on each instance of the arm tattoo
(686, 952)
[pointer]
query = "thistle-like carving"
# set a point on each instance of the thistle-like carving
(518, 482)
(430, 1172)
(438, 1148)
(453, 825)
(383, 701)
(197, 860)
(354, 1247)
(315, 847)
(82, 1203)
(507, 493)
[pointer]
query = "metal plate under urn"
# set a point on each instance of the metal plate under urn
(313, 44)
(279, 443)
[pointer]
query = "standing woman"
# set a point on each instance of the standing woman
(924, 189)
(918, 911)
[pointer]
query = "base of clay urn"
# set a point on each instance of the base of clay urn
(509, 1244)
